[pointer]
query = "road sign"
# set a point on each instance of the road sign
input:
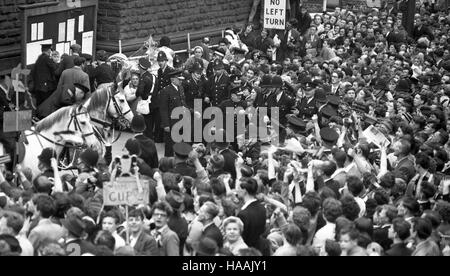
(275, 14)
(125, 191)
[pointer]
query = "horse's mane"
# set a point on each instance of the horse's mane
(54, 118)
(98, 99)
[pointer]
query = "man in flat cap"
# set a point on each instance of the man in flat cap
(44, 75)
(171, 97)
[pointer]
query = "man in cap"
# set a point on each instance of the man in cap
(264, 93)
(149, 152)
(75, 244)
(148, 88)
(218, 54)
(182, 151)
(195, 85)
(218, 85)
(44, 75)
(68, 61)
(177, 223)
(236, 103)
(171, 97)
(307, 107)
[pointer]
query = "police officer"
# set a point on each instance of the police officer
(171, 97)
(266, 90)
(218, 85)
(164, 72)
(307, 107)
(146, 88)
(44, 75)
(234, 102)
(195, 85)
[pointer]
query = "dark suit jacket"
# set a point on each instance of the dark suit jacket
(148, 151)
(399, 249)
(65, 64)
(307, 110)
(218, 91)
(145, 87)
(60, 97)
(146, 246)
(213, 232)
(184, 169)
(43, 74)
(170, 99)
(230, 158)
(285, 105)
(254, 219)
(79, 247)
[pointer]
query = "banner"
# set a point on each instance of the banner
(125, 191)
(275, 14)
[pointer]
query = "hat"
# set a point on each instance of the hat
(162, 56)
(329, 136)
(277, 82)
(308, 83)
(75, 47)
(82, 87)
(74, 225)
(144, 63)
(175, 199)
(133, 147)
(320, 95)
(46, 155)
(334, 101)
(218, 64)
(182, 149)
(46, 47)
(206, 247)
(90, 157)
(176, 74)
(138, 124)
(237, 90)
(328, 112)
(266, 81)
(403, 86)
(102, 55)
(296, 124)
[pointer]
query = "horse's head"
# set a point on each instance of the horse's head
(119, 109)
(80, 124)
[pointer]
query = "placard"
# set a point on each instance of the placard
(81, 23)
(87, 42)
(34, 50)
(40, 31)
(17, 120)
(62, 32)
(125, 191)
(275, 14)
(34, 31)
(70, 29)
(373, 135)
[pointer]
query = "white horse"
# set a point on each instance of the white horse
(106, 107)
(67, 125)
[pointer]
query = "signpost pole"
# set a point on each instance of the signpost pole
(128, 227)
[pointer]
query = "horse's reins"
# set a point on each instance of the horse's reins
(121, 116)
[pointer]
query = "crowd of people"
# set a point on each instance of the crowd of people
(360, 168)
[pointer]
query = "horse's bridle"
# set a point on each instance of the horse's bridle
(74, 120)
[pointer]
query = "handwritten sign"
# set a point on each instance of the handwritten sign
(125, 191)
(275, 14)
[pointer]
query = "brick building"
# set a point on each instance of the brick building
(132, 21)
